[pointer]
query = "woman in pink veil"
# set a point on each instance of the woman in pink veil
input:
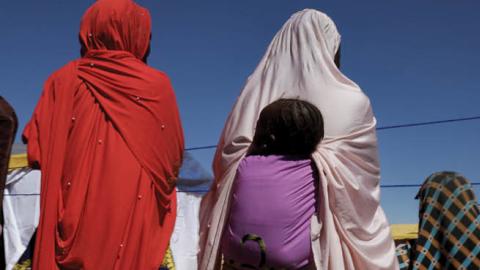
(349, 230)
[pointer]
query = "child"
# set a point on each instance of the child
(274, 193)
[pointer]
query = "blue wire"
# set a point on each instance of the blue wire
(379, 128)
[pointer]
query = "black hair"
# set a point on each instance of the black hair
(338, 56)
(288, 127)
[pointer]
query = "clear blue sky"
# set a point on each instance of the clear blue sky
(416, 60)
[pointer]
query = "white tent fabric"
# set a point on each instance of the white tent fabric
(21, 206)
(184, 241)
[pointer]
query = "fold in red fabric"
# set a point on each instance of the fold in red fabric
(107, 137)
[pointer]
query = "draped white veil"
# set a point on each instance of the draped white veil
(351, 231)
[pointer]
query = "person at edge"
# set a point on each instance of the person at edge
(449, 226)
(274, 191)
(349, 229)
(8, 129)
(107, 136)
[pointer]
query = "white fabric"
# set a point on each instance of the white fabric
(299, 63)
(21, 212)
(184, 241)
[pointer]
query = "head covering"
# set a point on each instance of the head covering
(114, 90)
(8, 129)
(104, 27)
(449, 228)
(299, 63)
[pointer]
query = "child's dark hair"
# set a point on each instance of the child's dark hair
(288, 127)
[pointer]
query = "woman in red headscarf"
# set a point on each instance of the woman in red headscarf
(107, 136)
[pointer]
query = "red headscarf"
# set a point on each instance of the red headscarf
(104, 27)
(137, 100)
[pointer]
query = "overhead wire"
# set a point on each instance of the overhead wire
(417, 124)
(407, 125)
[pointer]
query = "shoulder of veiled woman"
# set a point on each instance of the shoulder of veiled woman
(161, 76)
(62, 72)
(354, 101)
(350, 90)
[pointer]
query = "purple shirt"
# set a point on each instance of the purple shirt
(274, 199)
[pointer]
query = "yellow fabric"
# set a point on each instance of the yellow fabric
(18, 161)
(25, 265)
(404, 231)
(168, 260)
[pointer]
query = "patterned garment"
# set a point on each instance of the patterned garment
(24, 265)
(403, 252)
(168, 263)
(449, 229)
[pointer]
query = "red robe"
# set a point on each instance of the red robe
(107, 136)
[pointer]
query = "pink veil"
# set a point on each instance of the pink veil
(351, 231)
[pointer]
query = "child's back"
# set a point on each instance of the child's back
(273, 201)
(274, 192)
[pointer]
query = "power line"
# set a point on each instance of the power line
(429, 123)
(379, 128)
(416, 185)
(201, 148)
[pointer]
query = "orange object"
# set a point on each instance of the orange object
(107, 136)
